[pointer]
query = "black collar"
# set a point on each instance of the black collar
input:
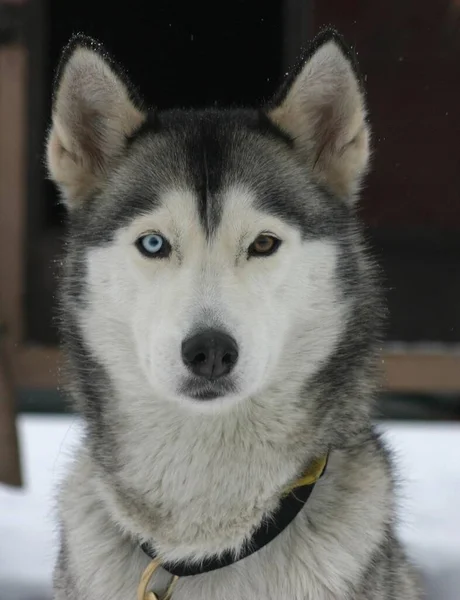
(271, 526)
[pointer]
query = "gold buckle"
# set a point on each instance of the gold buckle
(143, 594)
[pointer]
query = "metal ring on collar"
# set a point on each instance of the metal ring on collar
(143, 594)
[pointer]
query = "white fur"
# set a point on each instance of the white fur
(156, 304)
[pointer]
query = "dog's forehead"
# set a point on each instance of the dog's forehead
(206, 168)
(220, 159)
(232, 212)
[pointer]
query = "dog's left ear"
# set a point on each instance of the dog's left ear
(322, 109)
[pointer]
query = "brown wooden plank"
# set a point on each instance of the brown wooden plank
(39, 367)
(424, 373)
(12, 189)
(10, 471)
(13, 63)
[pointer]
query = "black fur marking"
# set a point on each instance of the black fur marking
(383, 572)
(351, 353)
(277, 202)
(331, 221)
(64, 580)
(206, 157)
(123, 210)
(91, 397)
(350, 371)
(347, 269)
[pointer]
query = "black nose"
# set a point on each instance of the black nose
(210, 354)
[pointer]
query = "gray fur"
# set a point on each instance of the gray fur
(194, 478)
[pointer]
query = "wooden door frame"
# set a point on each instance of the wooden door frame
(12, 205)
(29, 365)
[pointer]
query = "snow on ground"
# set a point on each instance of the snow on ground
(427, 458)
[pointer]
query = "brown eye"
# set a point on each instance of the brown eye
(264, 245)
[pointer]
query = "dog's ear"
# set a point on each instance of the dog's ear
(93, 115)
(322, 108)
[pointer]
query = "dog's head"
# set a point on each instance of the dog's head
(212, 254)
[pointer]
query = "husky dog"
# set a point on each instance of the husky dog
(221, 317)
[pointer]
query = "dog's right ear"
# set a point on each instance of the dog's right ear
(93, 115)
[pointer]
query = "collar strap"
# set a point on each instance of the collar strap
(292, 502)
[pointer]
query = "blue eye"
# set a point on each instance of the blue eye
(153, 245)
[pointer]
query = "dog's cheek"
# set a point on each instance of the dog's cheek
(160, 318)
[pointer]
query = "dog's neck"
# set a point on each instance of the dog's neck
(292, 501)
(198, 483)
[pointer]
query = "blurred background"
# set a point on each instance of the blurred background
(197, 54)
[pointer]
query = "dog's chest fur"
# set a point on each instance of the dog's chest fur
(321, 556)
